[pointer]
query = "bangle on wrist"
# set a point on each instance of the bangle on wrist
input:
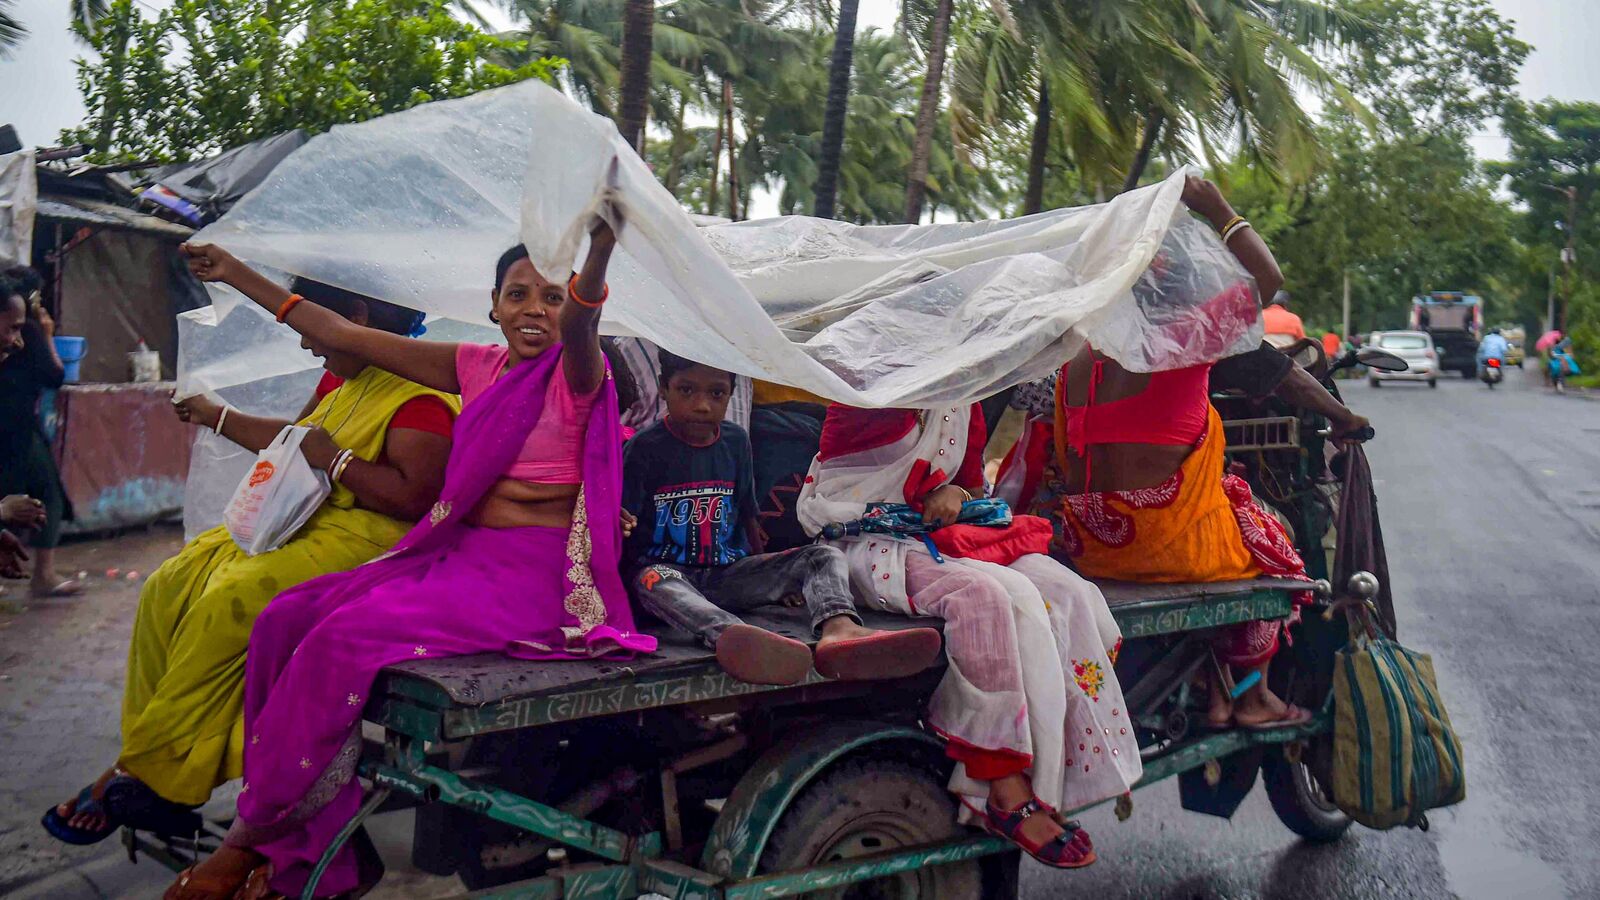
(1236, 219)
(337, 466)
(289, 304)
(572, 291)
(221, 418)
(1235, 228)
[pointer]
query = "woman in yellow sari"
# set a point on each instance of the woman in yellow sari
(385, 440)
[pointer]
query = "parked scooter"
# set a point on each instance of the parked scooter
(1491, 373)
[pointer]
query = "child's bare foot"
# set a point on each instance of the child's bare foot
(851, 652)
(759, 656)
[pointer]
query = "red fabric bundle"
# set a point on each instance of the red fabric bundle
(1002, 546)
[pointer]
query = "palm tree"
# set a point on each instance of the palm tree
(638, 24)
(928, 109)
(833, 119)
(12, 31)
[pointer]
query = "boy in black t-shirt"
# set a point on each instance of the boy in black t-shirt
(688, 482)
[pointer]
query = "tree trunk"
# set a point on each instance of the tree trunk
(675, 163)
(733, 168)
(1147, 143)
(927, 113)
(638, 26)
(1033, 199)
(844, 44)
(716, 161)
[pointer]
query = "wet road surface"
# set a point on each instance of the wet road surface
(1490, 504)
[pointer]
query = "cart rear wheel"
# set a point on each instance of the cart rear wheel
(1301, 801)
(864, 806)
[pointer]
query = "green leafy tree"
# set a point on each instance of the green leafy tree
(204, 75)
(1554, 170)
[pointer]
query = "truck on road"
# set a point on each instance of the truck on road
(1455, 322)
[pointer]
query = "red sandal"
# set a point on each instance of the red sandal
(1071, 849)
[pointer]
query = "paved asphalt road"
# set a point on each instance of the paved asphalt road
(1490, 503)
(1491, 509)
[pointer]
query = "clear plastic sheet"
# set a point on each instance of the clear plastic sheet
(19, 196)
(415, 207)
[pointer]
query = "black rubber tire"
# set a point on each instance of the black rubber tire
(868, 805)
(1374, 382)
(1300, 804)
(1433, 383)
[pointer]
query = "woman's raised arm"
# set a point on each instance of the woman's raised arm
(579, 322)
(1252, 252)
(429, 363)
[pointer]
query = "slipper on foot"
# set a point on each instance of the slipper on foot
(758, 656)
(137, 805)
(69, 588)
(1291, 717)
(887, 654)
(62, 829)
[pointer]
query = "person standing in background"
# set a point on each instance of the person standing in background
(26, 463)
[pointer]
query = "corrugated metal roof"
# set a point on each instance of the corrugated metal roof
(81, 211)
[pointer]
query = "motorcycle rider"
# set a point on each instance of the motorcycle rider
(1493, 346)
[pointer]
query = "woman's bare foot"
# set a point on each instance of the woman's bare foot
(217, 877)
(88, 821)
(852, 652)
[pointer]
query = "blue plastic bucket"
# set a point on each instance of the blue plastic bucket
(71, 350)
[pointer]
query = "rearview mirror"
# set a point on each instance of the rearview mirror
(1382, 360)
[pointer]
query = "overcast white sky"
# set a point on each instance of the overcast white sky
(39, 93)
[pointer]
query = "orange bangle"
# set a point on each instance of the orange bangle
(572, 291)
(291, 303)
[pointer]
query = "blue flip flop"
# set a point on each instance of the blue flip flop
(61, 828)
(137, 805)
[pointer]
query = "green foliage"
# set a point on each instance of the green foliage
(1400, 202)
(1555, 148)
(204, 75)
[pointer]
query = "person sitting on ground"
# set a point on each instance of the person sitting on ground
(18, 511)
(1136, 487)
(1029, 706)
(27, 465)
(384, 441)
(526, 533)
(688, 480)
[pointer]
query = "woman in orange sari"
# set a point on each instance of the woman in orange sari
(1137, 489)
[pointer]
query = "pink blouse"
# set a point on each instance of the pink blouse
(554, 450)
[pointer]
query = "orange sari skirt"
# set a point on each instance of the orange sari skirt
(1200, 525)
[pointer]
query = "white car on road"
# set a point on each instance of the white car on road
(1416, 348)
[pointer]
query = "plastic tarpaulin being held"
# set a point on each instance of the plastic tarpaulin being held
(415, 207)
(19, 200)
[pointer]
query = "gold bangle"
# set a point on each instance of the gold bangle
(1230, 223)
(1243, 224)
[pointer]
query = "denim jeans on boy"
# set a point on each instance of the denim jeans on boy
(703, 600)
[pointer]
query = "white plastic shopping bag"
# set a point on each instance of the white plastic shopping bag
(277, 497)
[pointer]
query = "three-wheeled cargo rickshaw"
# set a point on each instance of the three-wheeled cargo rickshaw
(664, 775)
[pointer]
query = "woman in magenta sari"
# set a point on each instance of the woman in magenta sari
(519, 555)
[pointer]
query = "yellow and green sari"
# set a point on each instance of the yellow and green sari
(182, 708)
